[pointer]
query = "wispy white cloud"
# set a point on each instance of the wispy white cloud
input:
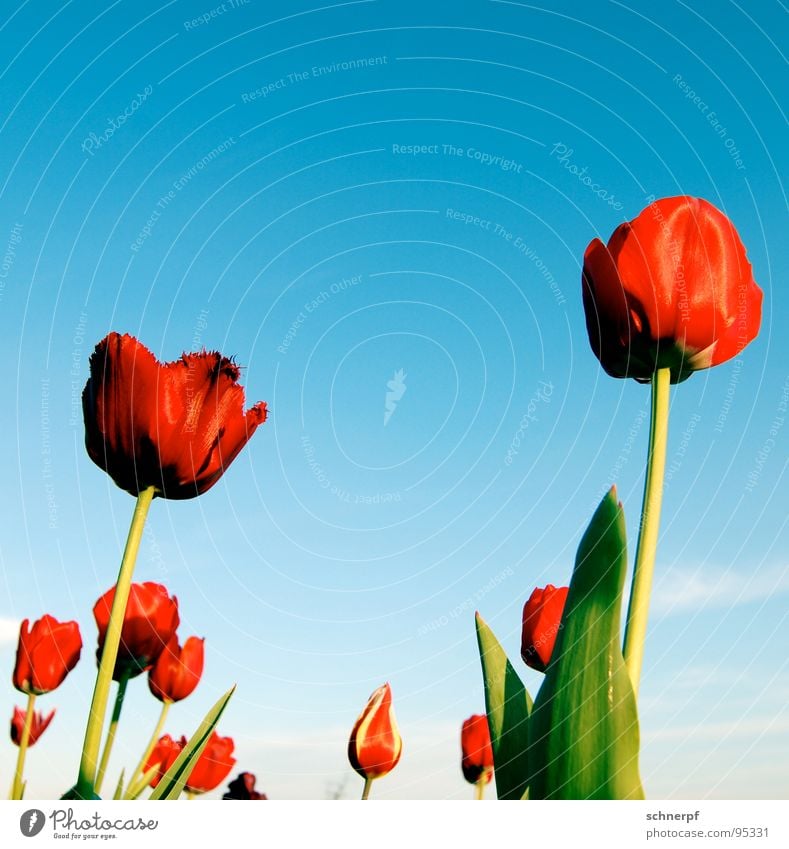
(680, 588)
(9, 631)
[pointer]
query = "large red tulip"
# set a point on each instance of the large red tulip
(37, 727)
(672, 289)
(45, 654)
(177, 671)
(542, 617)
(375, 745)
(176, 426)
(148, 626)
(477, 761)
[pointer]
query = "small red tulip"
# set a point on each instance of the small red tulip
(177, 670)
(148, 626)
(375, 745)
(45, 654)
(542, 617)
(243, 787)
(673, 289)
(477, 750)
(213, 766)
(37, 727)
(176, 426)
(164, 753)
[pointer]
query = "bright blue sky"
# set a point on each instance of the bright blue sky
(339, 552)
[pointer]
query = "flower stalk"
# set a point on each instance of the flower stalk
(133, 788)
(109, 742)
(88, 767)
(644, 569)
(16, 787)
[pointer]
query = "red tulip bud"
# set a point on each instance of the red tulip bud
(177, 670)
(542, 617)
(45, 654)
(477, 750)
(375, 745)
(148, 626)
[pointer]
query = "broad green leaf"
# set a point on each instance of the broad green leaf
(173, 781)
(135, 790)
(508, 704)
(583, 731)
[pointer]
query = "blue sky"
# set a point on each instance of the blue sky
(334, 194)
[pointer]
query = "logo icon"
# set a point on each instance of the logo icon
(31, 822)
(396, 387)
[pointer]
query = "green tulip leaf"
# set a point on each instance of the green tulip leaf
(174, 780)
(583, 731)
(119, 787)
(508, 704)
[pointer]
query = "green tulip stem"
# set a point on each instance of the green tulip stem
(17, 786)
(479, 787)
(368, 783)
(644, 569)
(101, 692)
(140, 770)
(109, 742)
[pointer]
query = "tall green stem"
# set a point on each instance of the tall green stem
(368, 783)
(16, 787)
(109, 742)
(644, 569)
(98, 708)
(149, 749)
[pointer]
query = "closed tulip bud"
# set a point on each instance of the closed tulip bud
(38, 725)
(45, 654)
(375, 745)
(672, 289)
(542, 617)
(148, 626)
(477, 762)
(177, 670)
(175, 426)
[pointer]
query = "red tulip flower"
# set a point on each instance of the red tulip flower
(673, 289)
(477, 762)
(542, 617)
(37, 727)
(174, 426)
(46, 653)
(243, 788)
(148, 626)
(164, 754)
(177, 670)
(213, 766)
(375, 745)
